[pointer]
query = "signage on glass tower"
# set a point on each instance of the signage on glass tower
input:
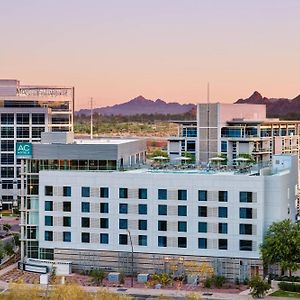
(23, 150)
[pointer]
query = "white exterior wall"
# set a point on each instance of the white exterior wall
(262, 186)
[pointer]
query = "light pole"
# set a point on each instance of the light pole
(131, 257)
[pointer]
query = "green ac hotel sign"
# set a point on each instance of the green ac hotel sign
(23, 150)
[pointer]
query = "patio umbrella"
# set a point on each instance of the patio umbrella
(159, 158)
(242, 159)
(217, 158)
(182, 158)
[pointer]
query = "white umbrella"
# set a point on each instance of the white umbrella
(217, 158)
(159, 158)
(242, 159)
(182, 158)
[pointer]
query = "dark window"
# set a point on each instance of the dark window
(246, 229)
(7, 132)
(123, 193)
(22, 118)
(182, 226)
(67, 221)
(85, 191)
(85, 207)
(48, 221)
(7, 145)
(223, 228)
(202, 227)
(104, 239)
(142, 240)
(23, 132)
(202, 211)
(48, 190)
(7, 158)
(123, 239)
(202, 195)
(7, 119)
(104, 223)
(162, 210)
(36, 132)
(142, 224)
(38, 119)
(49, 236)
(223, 212)
(245, 245)
(123, 208)
(182, 194)
(182, 210)
(246, 197)
(162, 194)
(48, 205)
(67, 236)
(246, 213)
(67, 191)
(67, 206)
(202, 243)
(104, 208)
(162, 241)
(123, 224)
(182, 242)
(223, 196)
(85, 237)
(222, 244)
(142, 209)
(85, 222)
(104, 192)
(162, 226)
(142, 193)
(7, 172)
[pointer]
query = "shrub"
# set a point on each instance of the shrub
(207, 283)
(246, 281)
(218, 281)
(289, 287)
(9, 249)
(98, 276)
(237, 281)
(258, 287)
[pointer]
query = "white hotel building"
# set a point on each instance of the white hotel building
(25, 112)
(83, 197)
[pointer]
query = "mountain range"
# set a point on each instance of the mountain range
(276, 107)
(141, 105)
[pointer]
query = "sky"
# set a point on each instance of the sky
(115, 50)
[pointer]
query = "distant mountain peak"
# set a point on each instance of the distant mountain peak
(256, 96)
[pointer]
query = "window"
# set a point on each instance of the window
(182, 194)
(67, 221)
(246, 197)
(38, 119)
(104, 223)
(85, 222)
(104, 239)
(246, 213)
(222, 212)
(49, 236)
(85, 191)
(202, 227)
(85, 207)
(182, 210)
(67, 236)
(222, 244)
(142, 193)
(223, 196)
(7, 119)
(246, 229)
(202, 195)
(7, 158)
(36, 132)
(7, 132)
(142, 209)
(223, 228)
(162, 226)
(104, 208)
(123, 193)
(162, 194)
(48, 221)
(202, 243)
(182, 226)
(85, 237)
(22, 118)
(48, 205)
(7, 172)
(162, 241)
(123, 208)
(22, 132)
(123, 239)
(142, 240)
(123, 224)
(142, 224)
(67, 191)
(48, 190)
(202, 211)
(182, 242)
(245, 245)
(162, 210)
(104, 192)
(7, 145)
(67, 206)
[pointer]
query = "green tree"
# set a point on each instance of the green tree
(9, 249)
(2, 251)
(16, 237)
(282, 245)
(258, 287)
(98, 276)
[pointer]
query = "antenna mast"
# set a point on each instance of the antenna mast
(208, 123)
(91, 118)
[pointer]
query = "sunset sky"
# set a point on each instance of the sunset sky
(114, 50)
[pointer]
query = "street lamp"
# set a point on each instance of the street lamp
(131, 257)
